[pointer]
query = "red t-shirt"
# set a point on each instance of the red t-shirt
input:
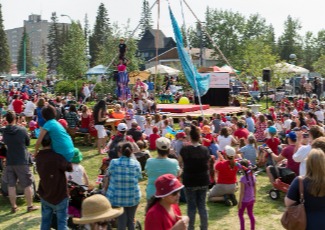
(158, 218)
(226, 175)
(85, 121)
(241, 133)
(209, 137)
(152, 141)
(288, 152)
(17, 106)
(273, 144)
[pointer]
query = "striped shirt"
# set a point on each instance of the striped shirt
(124, 189)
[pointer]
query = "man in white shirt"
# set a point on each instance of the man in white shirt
(302, 151)
(287, 122)
(319, 114)
(29, 110)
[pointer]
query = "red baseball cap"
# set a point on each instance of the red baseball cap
(166, 185)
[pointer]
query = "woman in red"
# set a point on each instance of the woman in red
(225, 174)
(163, 212)
(85, 123)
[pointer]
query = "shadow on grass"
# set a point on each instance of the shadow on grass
(24, 223)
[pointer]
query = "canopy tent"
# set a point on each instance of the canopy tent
(163, 69)
(134, 75)
(97, 70)
(229, 69)
(288, 68)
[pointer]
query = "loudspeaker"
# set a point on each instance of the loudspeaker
(266, 75)
(215, 97)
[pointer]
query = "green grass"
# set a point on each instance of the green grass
(267, 212)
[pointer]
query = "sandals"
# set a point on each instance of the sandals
(14, 209)
(32, 208)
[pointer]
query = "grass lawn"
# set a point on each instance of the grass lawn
(267, 212)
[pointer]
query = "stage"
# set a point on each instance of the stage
(177, 111)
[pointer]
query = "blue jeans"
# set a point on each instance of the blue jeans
(61, 210)
(126, 220)
(196, 199)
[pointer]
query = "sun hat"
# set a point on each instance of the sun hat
(166, 185)
(97, 208)
(230, 151)
(122, 127)
(292, 135)
(206, 129)
(272, 129)
(77, 158)
(163, 143)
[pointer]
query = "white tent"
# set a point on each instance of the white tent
(162, 69)
(288, 68)
(97, 70)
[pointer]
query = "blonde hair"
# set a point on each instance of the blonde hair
(315, 171)
(130, 106)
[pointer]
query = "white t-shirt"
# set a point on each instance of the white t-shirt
(301, 156)
(76, 175)
(287, 124)
(223, 141)
(320, 115)
(29, 109)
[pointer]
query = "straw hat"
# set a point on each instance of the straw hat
(97, 208)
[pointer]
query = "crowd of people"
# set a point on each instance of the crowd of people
(198, 159)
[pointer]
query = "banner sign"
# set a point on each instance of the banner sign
(218, 79)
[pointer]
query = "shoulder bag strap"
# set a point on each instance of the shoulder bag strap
(301, 190)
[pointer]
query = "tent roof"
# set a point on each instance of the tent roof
(97, 70)
(289, 68)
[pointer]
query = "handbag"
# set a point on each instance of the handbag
(294, 218)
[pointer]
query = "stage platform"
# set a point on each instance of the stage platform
(207, 110)
(176, 108)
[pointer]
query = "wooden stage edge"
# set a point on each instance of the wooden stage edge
(227, 110)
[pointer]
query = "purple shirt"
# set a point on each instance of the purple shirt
(249, 187)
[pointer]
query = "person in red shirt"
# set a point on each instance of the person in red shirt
(207, 137)
(163, 212)
(255, 85)
(287, 153)
(153, 137)
(226, 177)
(17, 105)
(241, 132)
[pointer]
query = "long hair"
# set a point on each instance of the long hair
(224, 132)
(315, 171)
(151, 202)
(100, 105)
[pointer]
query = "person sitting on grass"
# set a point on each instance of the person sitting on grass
(78, 174)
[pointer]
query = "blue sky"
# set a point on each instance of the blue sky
(310, 13)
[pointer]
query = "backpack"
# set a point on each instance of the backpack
(113, 148)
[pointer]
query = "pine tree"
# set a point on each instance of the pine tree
(146, 18)
(100, 34)
(73, 63)
(54, 44)
(24, 47)
(4, 48)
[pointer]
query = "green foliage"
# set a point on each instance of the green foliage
(290, 42)
(56, 38)
(73, 64)
(146, 18)
(255, 56)
(66, 86)
(4, 48)
(109, 51)
(100, 34)
(41, 69)
(319, 65)
(25, 47)
(105, 87)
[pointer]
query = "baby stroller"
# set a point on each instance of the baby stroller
(284, 178)
(77, 194)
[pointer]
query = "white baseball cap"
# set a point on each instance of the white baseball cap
(122, 127)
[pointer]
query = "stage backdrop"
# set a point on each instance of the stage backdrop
(218, 93)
